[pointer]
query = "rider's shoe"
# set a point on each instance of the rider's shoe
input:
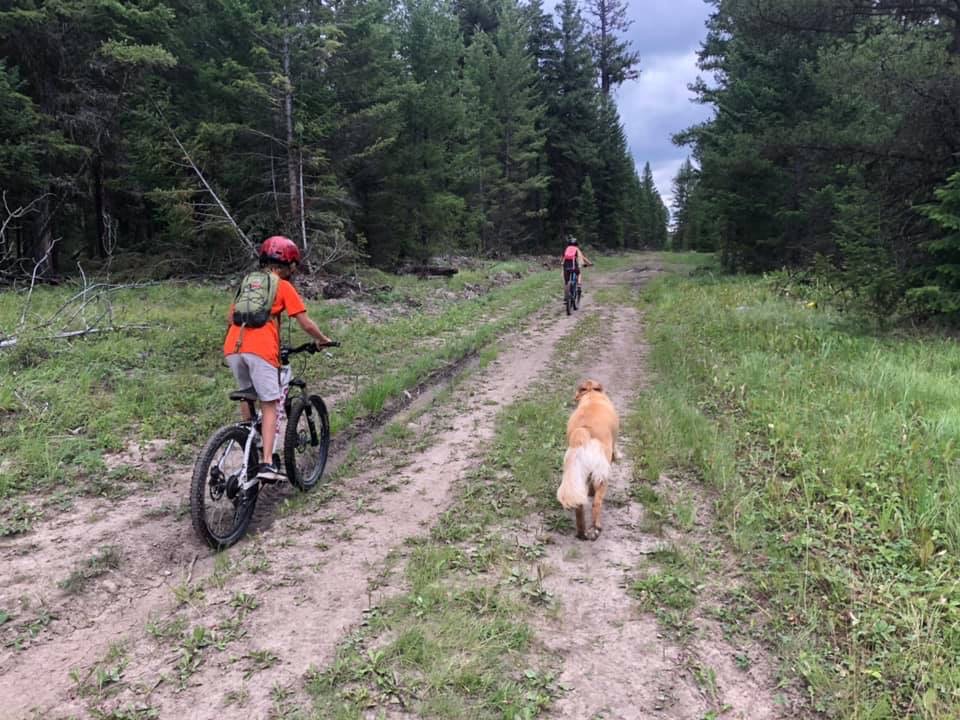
(579, 293)
(268, 472)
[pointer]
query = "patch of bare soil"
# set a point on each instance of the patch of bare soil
(199, 638)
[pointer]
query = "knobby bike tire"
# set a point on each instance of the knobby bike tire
(306, 442)
(214, 494)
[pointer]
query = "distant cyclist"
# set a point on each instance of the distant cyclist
(574, 261)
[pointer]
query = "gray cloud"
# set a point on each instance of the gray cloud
(658, 104)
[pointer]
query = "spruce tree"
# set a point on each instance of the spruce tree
(587, 220)
(683, 188)
(613, 57)
(612, 176)
(571, 118)
(426, 214)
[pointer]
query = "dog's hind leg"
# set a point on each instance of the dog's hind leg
(581, 519)
(599, 492)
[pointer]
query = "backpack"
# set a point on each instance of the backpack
(255, 298)
(570, 257)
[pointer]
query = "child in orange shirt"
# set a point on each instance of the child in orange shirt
(253, 353)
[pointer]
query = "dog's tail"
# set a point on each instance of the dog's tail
(585, 459)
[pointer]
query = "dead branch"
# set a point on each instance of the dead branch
(10, 342)
(336, 249)
(203, 180)
(33, 279)
(12, 215)
(63, 322)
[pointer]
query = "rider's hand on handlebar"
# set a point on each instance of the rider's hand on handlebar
(325, 343)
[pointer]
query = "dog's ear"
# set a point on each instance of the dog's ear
(581, 389)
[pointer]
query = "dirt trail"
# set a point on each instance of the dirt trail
(281, 601)
(617, 662)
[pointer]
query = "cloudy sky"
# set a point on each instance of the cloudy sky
(667, 34)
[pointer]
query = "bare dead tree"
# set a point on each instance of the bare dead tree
(336, 248)
(11, 215)
(206, 185)
(42, 262)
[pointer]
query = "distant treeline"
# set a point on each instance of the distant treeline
(835, 145)
(187, 130)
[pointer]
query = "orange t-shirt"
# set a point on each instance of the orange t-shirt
(265, 341)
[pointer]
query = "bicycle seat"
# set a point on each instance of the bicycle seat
(245, 394)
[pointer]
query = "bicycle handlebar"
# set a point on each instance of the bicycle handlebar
(309, 347)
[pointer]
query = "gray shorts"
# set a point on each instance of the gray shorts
(253, 371)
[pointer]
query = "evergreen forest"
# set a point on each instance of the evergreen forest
(175, 134)
(833, 148)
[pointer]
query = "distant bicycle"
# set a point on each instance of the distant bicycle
(225, 487)
(571, 293)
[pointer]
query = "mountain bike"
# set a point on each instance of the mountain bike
(570, 294)
(225, 487)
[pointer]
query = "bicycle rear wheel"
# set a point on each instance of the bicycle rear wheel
(306, 442)
(219, 507)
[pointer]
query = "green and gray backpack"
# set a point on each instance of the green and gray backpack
(255, 298)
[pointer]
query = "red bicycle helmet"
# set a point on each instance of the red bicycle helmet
(280, 250)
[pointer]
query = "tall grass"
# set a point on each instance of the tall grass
(834, 456)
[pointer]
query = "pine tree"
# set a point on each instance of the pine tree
(425, 212)
(543, 39)
(504, 121)
(654, 214)
(614, 60)
(683, 188)
(612, 176)
(367, 78)
(82, 65)
(587, 219)
(571, 118)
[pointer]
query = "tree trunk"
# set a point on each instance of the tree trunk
(302, 210)
(100, 248)
(604, 52)
(44, 257)
(292, 153)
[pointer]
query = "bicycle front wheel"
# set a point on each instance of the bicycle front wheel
(306, 442)
(220, 508)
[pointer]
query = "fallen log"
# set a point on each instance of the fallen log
(428, 270)
(10, 342)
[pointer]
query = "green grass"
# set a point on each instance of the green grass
(64, 404)
(457, 643)
(834, 456)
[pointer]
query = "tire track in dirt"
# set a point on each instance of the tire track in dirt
(617, 662)
(315, 578)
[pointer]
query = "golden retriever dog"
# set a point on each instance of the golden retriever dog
(591, 435)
